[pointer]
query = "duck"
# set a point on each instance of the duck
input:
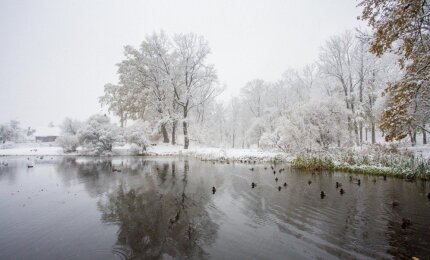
(276, 179)
(285, 184)
(385, 177)
(338, 184)
(253, 184)
(341, 191)
(428, 195)
(274, 172)
(175, 219)
(279, 188)
(350, 178)
(116, 170)
(322, 194)
(374, 180)
(265, 168)
(395, 203)
(406, 223)
(30, 166)
(309, 182)
(271, 167)
(213, 190)
(251, 169)
(358, 182)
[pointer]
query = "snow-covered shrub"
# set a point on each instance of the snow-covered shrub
(98, 135)
(138, 134)
(69, 143)
(10, 131)
(70, 126)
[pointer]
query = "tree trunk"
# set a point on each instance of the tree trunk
(413, 138)
(165, 134)
(185, 127)
(424, 134)
(365, 130)
(373, 133)
(121, 120)
(357, 136)
(175, 123)
(361, 133)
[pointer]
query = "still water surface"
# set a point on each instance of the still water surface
(163, 208)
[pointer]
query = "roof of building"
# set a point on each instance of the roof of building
(47, 131)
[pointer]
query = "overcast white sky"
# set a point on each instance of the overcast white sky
(56, 56)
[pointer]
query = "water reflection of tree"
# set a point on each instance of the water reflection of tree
(158, 219)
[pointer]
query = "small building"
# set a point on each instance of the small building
(46, 134)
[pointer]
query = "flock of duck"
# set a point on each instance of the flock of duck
(405, 221)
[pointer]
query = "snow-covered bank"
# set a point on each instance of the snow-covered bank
(29, 149)
(202, 153)
(219, 154)
(375, 160)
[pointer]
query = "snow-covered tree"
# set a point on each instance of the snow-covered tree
(196, 78)
(70, 126)
(10, 131)
(138, 134)
(98, 135)
(163, 82)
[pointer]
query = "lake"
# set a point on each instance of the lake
(164, 208)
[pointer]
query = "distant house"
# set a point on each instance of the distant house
(46, 134)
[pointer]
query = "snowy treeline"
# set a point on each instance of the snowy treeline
(334, 102)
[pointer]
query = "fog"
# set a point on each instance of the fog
(57, 56)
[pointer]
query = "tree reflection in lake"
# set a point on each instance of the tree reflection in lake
(161, 217)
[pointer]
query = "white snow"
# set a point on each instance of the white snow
(29, 149)
(203, 153)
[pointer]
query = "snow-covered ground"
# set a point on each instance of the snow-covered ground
(203, 153)
(29, 149)
(229, 154)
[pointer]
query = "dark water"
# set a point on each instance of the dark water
(77, 208)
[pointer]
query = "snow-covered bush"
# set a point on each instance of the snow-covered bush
(70, 126)
(138, 134)
(10, 131)
(69, 143)
(98, 135)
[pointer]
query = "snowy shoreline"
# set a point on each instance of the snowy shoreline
(393, 165)
(201, 153)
